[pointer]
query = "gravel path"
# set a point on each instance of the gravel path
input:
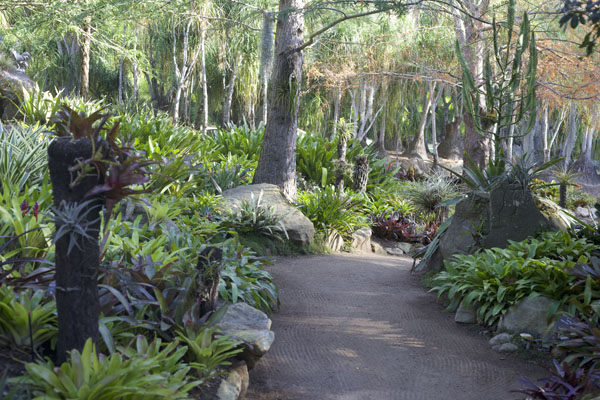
(361, 327)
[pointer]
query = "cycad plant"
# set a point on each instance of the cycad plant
(565, 177)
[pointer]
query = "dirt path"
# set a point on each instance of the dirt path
(361, 327)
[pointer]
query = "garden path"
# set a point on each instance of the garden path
(361, 327)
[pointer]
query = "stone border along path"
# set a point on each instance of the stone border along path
(361, 327)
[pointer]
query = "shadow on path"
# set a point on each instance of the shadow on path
(361, 327)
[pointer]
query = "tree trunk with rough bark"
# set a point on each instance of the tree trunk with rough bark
(451, 147)
(77, 301)
(417, 146)
(277, 162)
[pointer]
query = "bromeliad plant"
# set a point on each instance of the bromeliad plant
(27, 319)
(141, 371)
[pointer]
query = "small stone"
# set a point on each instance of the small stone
(404, 246)
(361, 240)
(500, 339)
(466, 313)
(508, 348)
(393, 251)
(378, 249)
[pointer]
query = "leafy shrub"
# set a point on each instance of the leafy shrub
(566, 383)
(227, 174)
(23, 156)
(142, 371)
(429, 194)
(240, 141)
(208, 349)
(315, 158)
(498, 278)
(393, 227)
(20, 312)
(331, 212)
(244, 279)
(252, 216)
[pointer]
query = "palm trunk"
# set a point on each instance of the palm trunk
(86, 44)
(277, 162)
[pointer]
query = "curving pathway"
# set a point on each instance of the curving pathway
(361, 327)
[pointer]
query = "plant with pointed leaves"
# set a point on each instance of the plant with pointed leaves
(508, 97)
(71, 220)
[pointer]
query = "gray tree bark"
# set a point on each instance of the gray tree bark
(277, 162)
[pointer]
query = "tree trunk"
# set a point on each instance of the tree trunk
(451, 147)
(585, 163)
(417, 146)
(204, 83)
(122, 65)
(569, 146)
(228, 99)
(277, 162)
(135, 65)
(77, 301)
(336, 111)
(86, 44)
(433, 122)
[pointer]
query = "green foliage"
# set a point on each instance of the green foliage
(315, 159)
(496, 278)
(429, 194)
(240, 141)
(38, 106)
(16, 312)
(331, 211)
(209, 349)
(230, 172)
(141, 371)
(23, 156)
(252, 216)
(244, 279)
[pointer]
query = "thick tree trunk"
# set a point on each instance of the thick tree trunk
(277, 162)
(417, 146)
(77, 301)
(451, 147)
(569, 145)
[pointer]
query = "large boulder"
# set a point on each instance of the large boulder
(513, 215)
(469, 224)
(530, 315)
(13, 84)
(361, 240)
(252, 327)
(299, 228)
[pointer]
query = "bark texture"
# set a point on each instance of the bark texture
(76, 271)
(277, 162)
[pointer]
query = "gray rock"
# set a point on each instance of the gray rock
(361, 240)
(466, 313)
(405, 247)
(508, 348)
(13, 84)
(528, 316)
(231, 385)
(513, 215)
(394, 251)
(500, 339)
(378, 249)
(299, 228)
(334, 242)
(252, 327)
(236, 384)
(470, 215)
(582, 212)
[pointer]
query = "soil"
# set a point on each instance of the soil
(359, 327)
